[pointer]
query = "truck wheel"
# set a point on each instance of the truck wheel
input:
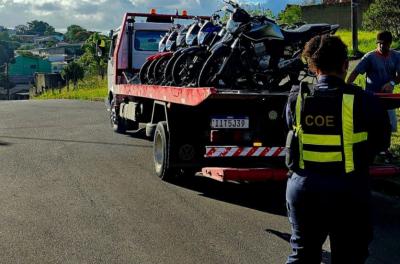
(162, 153)
(117, 123)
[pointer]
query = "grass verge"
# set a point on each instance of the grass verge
(91, 88)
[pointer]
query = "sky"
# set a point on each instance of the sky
(103, 15)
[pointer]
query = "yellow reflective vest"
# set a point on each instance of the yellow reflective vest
(324, 126)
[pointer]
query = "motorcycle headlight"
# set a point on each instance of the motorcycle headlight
(190, 39)
(232, 26)
(201, 36)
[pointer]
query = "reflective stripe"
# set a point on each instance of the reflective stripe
(349, 137)
(298, 129)
(360, 137)
(322, 156)
(322, 140)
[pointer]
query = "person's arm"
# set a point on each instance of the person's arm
(361, 68)
(353, 75)
(389, 86)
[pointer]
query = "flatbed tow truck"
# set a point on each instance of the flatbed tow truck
(227, 135)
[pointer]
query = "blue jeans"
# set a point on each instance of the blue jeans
(318, 211)
(393, 119)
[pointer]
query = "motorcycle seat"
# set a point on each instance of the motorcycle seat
(305, 32)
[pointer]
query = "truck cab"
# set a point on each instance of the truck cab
(132, 43)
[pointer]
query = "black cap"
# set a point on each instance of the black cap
(384, 37)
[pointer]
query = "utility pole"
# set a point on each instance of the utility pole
(354, 26)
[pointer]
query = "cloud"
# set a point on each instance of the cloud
(101, 15)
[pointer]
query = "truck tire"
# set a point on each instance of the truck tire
(162, 153)
(117, 123)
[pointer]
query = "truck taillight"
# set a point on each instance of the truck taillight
(153, 11)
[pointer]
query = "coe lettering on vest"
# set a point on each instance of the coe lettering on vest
(320, 120)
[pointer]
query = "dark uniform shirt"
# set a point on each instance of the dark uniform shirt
(375, 120)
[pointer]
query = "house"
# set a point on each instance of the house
(26, 38)
(334, 12)
(72, 50)
(49, 40)
(24, 68)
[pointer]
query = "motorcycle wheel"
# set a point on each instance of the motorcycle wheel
(150, 71)
(159, 67)
(168, 80)
(143, 72)
(207, 77)
(180, 72)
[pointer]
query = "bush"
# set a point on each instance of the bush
(383, 15)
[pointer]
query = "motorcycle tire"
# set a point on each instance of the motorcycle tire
(207, 77)
(180, 70)
(150, 71)
(159, 67)
(168, 80)
(143, 72)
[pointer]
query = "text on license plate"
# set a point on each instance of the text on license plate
(228, 122)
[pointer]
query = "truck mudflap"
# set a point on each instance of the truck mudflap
(278, 174)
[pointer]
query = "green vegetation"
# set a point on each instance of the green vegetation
(366, 40)
(90, 88)
(76, 34)
(383, 15)
(73, 72)
(291, 15)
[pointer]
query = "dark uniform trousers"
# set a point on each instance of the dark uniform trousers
(313, 214)
(328, 193)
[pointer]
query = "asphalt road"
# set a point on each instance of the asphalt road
(72, 191)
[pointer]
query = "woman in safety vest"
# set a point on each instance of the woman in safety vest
(336, 129)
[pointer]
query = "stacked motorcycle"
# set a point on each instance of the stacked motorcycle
(248, 52)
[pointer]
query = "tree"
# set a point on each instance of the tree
(262, 12)
(94, 59)
(41, 28)
(73, 72)
(4, 36)
(383, 15)
(76, 33)
(7, 52)
(21, 29)
(291, 15)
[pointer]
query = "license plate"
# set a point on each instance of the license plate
(230, 122)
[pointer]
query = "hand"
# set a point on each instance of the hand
(387, 88)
